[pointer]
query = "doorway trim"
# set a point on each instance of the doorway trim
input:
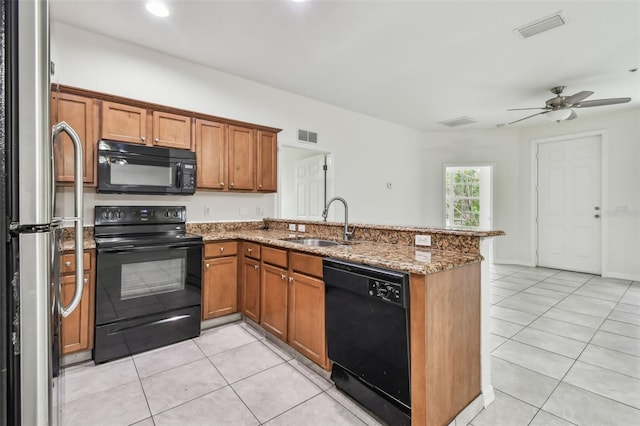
(603, 134)
(306, 147)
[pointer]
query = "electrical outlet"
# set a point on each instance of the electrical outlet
(207, 211)
(292, 227)
(301, 227)
(423, 240)
(259, 211)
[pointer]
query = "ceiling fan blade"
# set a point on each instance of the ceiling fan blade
(538, 113)
(522, 109)
(574, 99)
(573, 115)
(601, 102)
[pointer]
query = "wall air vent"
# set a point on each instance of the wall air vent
(457, 122)
(307, 136)
(542, 25)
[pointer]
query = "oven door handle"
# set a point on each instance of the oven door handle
(178, 175)
(130, 248)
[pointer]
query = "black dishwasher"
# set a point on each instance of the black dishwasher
(368, 336)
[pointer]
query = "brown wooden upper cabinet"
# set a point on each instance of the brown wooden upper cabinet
(242, 158)
(211, 154)
(234, 158)
(124, 123)
(81, 114)
(127, 123)
(171, 130)
(267, 172)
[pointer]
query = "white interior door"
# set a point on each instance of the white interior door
(309, 184)
(569, 191)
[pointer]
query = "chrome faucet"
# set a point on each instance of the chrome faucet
(325, 212)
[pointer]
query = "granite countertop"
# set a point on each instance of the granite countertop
(418, 260)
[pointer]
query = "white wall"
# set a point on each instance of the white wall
(509, 149)
(367, 151)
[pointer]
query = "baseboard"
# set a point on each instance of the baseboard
(620, 276)
(520, 262)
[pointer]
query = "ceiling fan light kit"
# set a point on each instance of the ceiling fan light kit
(561, 107)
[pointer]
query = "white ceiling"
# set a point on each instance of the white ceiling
(411, 62)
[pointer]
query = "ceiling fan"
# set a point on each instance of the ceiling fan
(561, 107)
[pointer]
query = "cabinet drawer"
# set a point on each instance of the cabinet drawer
(251, 250)
(226, 248)
(274, 256)
(69, 262)
(306, 263)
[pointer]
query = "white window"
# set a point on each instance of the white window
(467, 196)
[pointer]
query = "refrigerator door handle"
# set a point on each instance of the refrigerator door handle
(77, 213)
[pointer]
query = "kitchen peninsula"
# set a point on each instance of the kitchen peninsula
(448, 329)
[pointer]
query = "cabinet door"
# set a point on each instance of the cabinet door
(251, 289)
(77, 328)
(124, 123)
(242, 158)
(273, 303)
(211, 154)
(306, 318)
(220, 287)
(78, 112)
(267, 173)
(171, 130)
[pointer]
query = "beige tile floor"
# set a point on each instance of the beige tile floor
(565, 350)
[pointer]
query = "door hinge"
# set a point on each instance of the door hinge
(325, 167)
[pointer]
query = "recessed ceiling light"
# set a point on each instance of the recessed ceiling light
(157, 8)
(298, 1)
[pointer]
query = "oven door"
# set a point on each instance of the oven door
(136, 281)
(138, 174)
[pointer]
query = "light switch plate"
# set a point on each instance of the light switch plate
(301, 227)
(423, 240)
(292, 227)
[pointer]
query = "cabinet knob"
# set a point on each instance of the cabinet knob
(290, 279)
(283, 276)
(255, 266)
(206, 265)
(86, 280)
(260, 186)
(142, 138)
(67, 263)
(231, 184)
(221, 248)
(249, 250)
(221, 183)
(156, 140)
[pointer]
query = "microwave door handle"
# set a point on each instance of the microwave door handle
(77, 213)
(178, 175)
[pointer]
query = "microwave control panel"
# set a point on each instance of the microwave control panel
(189, 176)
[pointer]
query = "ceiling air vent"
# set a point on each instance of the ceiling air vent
(542, 25)
(457, 122)
(307, 136)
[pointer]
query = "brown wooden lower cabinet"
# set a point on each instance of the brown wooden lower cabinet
(220, 279)
(274, 300)
(251, 289)
(306, 318)
(77, 329)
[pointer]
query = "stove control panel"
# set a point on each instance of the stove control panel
(390, 292)
(133, 215)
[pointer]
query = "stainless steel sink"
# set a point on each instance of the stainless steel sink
(316, 242)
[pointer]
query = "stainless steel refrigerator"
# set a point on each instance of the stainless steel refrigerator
(30, 309)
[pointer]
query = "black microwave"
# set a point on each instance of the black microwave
(139, 169)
